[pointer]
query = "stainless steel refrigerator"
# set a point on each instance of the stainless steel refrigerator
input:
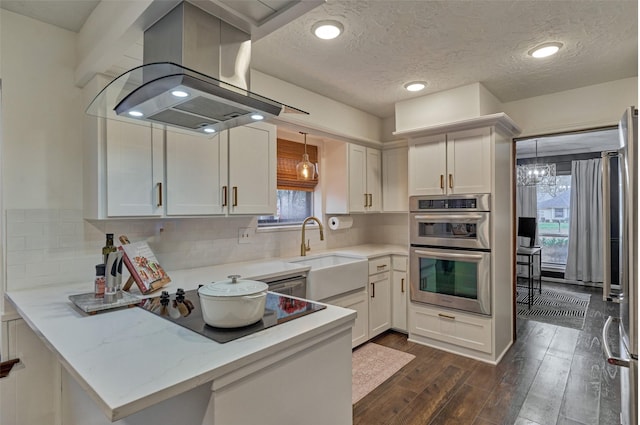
(621, 286)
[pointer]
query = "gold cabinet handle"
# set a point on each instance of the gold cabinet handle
(224, 196)
(402, 285)
(446, 316)
(235, 196)
(381, 267)
(373, 289)
(365, 200)
(159, 186)
(442, 181)
(450, 181)
(370, 200)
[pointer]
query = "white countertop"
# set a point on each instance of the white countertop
(129, 359)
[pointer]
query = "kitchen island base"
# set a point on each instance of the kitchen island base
(310, 380)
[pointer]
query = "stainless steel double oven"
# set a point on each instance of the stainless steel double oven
(450, 252)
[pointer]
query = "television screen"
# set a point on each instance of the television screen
(527, 229)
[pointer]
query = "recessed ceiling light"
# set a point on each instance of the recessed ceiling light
(135, 113)
(415, 86)
(257, 117)
(327, 30)
(209, 130)
(544, 50)
(180, 93)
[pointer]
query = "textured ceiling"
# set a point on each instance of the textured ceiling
(450, 44)
(387, 43)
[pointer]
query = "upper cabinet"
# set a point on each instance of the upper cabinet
(395, 194)
(457, 162)
(252, 169)
(233, 172)
(354, 181)
(134, 170)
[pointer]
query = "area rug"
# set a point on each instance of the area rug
(554, 306)
(372, 364)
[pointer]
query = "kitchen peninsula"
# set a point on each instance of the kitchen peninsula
(140, 369)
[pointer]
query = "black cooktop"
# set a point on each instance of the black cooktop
(183, 308)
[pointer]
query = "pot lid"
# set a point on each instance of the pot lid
(233, 287)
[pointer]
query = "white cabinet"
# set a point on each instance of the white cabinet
(252, 169)
(399, 293)
(451, 327)
(196, 174)
(233, 172)
(134, 170)
(457, 162)
(379, 295)
(353, 179)
(395, 188)
(357, 301)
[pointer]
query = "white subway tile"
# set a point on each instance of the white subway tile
(15, 216)
(16, 243)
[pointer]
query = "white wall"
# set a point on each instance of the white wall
(594, 106)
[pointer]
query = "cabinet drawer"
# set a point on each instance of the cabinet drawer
(379, 277)
(379, 265)
(399, 263)
(457, 328)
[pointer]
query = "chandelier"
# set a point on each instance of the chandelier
(536, 174)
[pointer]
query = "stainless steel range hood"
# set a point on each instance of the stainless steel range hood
(195, 77)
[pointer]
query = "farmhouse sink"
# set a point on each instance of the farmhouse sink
(333, 274)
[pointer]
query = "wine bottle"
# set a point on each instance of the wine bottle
(109, 247)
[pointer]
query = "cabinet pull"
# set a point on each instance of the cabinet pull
(442, 181)
(446, 316)
(381, 267)
(370, 200)
(224, 196)
(365, 200)
(450, 181)
(402, 285)
(159, 185)
(235, 196)
(373, 289)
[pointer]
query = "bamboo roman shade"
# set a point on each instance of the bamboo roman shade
(289, 154)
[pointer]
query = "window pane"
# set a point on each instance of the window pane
(293, 206)
(553, 221)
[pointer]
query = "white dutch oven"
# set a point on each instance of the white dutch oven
(232, 303)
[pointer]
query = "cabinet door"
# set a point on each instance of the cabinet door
(358, 199)
(374, 180)
(252, 169)
(469, 161)
(379, 303)
(428, 165)
(135, 169)
(395, 193)
(358, 302)
(193, 176)
(399, 291)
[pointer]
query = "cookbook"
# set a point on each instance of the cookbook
(144, 267)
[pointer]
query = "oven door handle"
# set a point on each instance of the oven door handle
(448, 218)
(438, 255)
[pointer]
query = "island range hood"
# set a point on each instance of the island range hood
(195, 77)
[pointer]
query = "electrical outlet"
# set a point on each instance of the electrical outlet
(244, 235)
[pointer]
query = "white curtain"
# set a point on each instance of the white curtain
(526, 206)
(584, 259)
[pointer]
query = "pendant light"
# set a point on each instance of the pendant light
(537, 174)
(305, 169)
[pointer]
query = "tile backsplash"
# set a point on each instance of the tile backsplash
(51, 246)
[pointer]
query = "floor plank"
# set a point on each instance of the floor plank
(551, 375)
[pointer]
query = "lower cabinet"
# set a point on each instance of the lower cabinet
(399, 293)
(379, 295)
(457, 328)
(357, 301)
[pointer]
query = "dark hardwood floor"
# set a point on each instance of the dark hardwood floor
(551, 375)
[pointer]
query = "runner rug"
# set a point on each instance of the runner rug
(554, 306)
(372, 364)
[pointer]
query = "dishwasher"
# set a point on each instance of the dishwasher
(292, 285)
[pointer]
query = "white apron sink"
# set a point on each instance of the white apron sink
(333, 274)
